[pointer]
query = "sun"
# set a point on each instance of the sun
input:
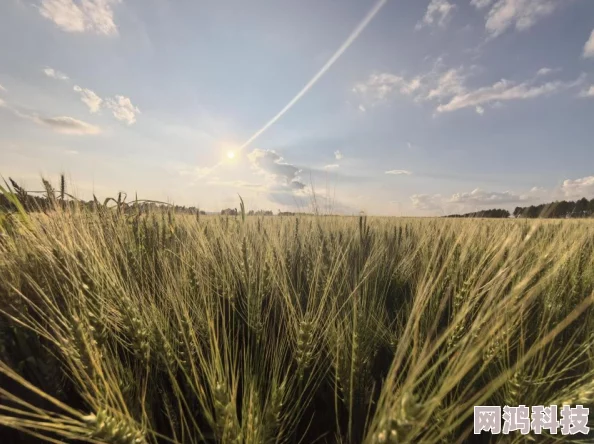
(231, 154)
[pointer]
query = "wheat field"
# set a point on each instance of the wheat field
(122, 325)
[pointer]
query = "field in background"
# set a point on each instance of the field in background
(135, 327)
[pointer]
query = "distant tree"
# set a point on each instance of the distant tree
(581, 208)
(494, 213)
(532, 212)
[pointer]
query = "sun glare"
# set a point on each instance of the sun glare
(231, 155)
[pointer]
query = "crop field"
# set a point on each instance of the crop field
(121, 325)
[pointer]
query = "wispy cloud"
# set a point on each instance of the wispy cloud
(477, 198)
(85, 16)
(578, 188)
(381, 86)
(120, 106)
(68, 125)
(588, 92)
(505, 90)
(521, 14)
(89, 98)
(480, 4)
(123, 109)
(481, 197)
(331, 167)
(438, 13)
(545, 71)
(50, 72)
(447, 88)
(589, 46)
(449, 84)
(337, 155)
(59, 124)
(399, 172)
(427, 202)
(64, 124)
(273, 166)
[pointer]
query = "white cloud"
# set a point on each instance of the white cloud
(438, 12)
(505, 90)
(410, 87)
(89, 98)
(588, 93)
(85, 15)
(71, 152)
(480, 4)
(399, 172)
(362, 108)
(120, 106)
(337, 155)
(447, 88)
(537, 193)
(379, 87)
(331, 167)
(589, 46)
(522, 14)
(544, 71)
(578, 188)
(122, 109)
(427, 202)
(469, 201)
(60, 124)
(450, 83)
(68, 125)
(278, 172)
(50, 72)
(480, 197)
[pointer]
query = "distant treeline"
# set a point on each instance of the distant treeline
(559, 209)
(554, 210)
(494, 213)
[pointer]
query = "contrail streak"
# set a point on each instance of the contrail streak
(348, 42)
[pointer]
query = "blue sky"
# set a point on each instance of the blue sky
(436, 106)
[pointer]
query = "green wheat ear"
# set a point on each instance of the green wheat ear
(62, 187)
(14, 200)
(242, 208)
(113, 429)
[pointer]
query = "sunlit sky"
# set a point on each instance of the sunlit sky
(430, 106)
